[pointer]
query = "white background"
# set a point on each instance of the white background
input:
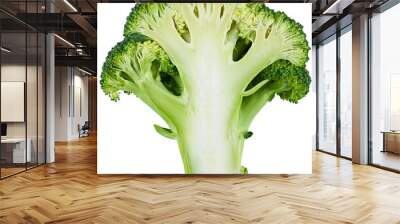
(128, 143)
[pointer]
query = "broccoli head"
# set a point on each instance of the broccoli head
(207, 69)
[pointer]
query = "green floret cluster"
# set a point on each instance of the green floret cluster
(208, 69)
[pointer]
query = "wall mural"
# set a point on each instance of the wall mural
(207, 70)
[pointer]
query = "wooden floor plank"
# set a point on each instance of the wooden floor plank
(70, 191)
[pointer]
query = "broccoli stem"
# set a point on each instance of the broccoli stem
(252, 104)
(210, 139)
(205, 152)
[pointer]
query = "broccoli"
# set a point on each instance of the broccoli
(207, 69)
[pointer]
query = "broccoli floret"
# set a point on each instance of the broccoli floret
(141, 67)
(282, 78)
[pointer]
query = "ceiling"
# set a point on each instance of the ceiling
(75, 22)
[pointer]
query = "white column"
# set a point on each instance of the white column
(50, 93)
(360, 90)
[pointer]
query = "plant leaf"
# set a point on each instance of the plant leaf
(166, 132)
(244, 170)
(138, 37)
(247, 134)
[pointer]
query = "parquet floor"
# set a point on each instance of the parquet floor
(69, 191)
(10, 171)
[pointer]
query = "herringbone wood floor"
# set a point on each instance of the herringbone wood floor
(70, 191)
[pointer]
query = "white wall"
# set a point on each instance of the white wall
(80, 110)
(14, 73)
(71, 102)
(62, 81)
(12, 101)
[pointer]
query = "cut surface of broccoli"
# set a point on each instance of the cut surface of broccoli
(208, 69)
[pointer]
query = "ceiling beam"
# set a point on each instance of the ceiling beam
(320, 22)
(48, 22)
(337, 6)
(81, 61)
(84, 24)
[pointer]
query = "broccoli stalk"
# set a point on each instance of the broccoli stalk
(207, 70)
